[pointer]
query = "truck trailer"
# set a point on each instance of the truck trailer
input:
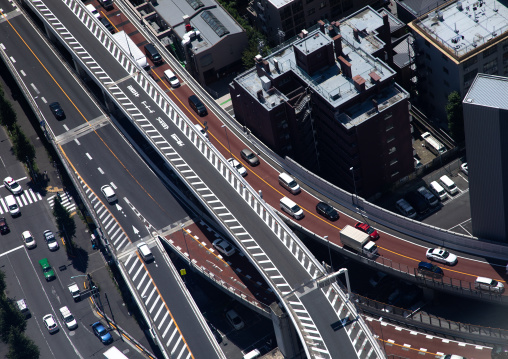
(131, 49)
(358, 241)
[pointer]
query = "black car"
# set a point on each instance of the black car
(417, 202)
(57, 110)
(107, 25)
(4, 228)
(328, 211)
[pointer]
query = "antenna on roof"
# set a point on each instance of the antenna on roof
(456, 31)
(495, 9)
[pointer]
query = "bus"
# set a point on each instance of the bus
(433, 145)
(114, 353)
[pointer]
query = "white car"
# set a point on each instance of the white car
(224, 247)
(202, 130)
(235, 319)
(50, 323)
(51, 241)
(68, 318)
(109, 193)
(464, 169)
(238, 166)
(171, 78)
(93, 10)
(28, 239)
(12, 185)
(442, 256)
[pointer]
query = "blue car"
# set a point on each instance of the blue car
(102, 333)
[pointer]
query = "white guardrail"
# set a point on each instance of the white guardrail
(313, 344)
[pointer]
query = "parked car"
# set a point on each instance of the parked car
(442, 256)
(417, 202)
(427, 196)
(51, 241)
(102, 333)
(235, 319)
(12, 185)
(28, 239)
(250, 157)
(57, 111)
(328, 211)
(50, 323)
(171, 78)
(464, 168)
(364, 227)
(224, 247)
(48, 272)
(238, 167)
(107, 25)
(4, 228)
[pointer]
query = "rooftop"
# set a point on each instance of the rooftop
(366, 21)
(329, 82)
(420, 7)
(488, 91)
(462, 26)
(212, 28)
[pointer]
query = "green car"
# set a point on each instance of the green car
(48, 272)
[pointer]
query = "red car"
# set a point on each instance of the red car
(364, 227)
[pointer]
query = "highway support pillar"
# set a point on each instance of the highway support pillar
(287, 338)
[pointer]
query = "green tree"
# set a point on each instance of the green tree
(7, 114)
(455, 116)
(2, 284)
(21, 347)
(65, 224)
(10, 319)
(23, 149)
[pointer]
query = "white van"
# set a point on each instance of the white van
(438, 190)
(252, 354)
(10, 201)
(488, 284)
(289, 183)
(405, 208)
(448, 184)
(145, 252)
(23, 308)
(171, 78)
(68, 318)
(93, 10)
(291, 208)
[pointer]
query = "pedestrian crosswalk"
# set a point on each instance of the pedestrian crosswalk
(27, 197)
(66, 200)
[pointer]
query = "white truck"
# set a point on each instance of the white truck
(358, 241)
(131, 49)
(74, 289)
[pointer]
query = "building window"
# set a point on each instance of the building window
(394, 161)
(444, 57)
(490, 67)
(395, 173)
(309, 1)
(490, 51)
(389, 127)
(322, 5)
(471, 62)
(505, 63)
(388, 115)
(311, 11)
(390, 139)
(470, 75)
(445, 70)
(392, 150)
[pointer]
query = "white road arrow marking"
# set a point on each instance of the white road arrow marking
(135, 230)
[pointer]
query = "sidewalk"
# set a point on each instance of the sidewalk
(52, 181)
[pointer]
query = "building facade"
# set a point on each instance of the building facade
(326, 102)
(453, 44)
(283, 19)
(485, 125)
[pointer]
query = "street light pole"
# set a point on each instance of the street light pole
(329, 252)
(354, 183)
(229, 147)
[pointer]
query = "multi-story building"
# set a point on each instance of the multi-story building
(485, 125)
(409, 10)
(454, 43)
(205, 36)
(328, 103)
(283, 19)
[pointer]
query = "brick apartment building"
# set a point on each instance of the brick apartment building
(329, 104)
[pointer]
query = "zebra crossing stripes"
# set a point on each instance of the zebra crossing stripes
(65, 200)
(155, 305)
(24, 199)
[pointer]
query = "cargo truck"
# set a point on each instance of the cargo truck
(131, 49)
(358, 241)
(74, 289)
